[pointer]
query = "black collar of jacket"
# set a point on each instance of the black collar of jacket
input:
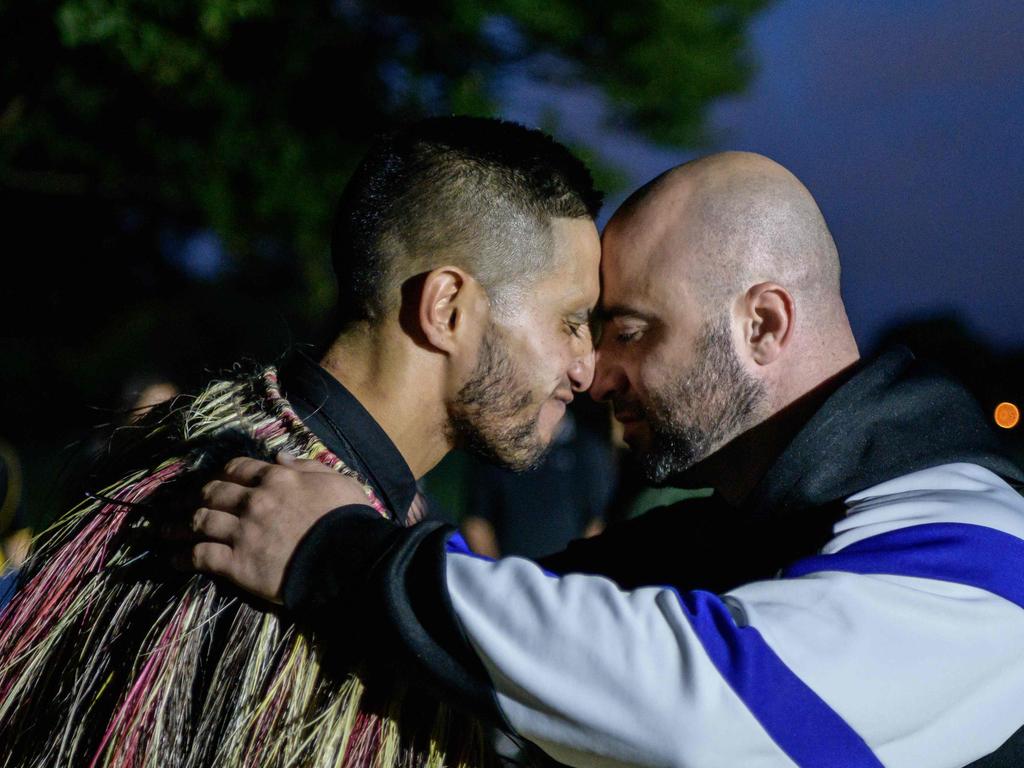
(895, 415)
(335, 416)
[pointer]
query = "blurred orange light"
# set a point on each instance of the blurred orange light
(1007, 415)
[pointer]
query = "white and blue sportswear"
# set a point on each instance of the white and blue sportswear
(900, 645)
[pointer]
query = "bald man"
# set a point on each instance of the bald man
(850, 596)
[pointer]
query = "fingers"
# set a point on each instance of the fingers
(250, 472)
(225, 496)
(207, 556)
(286, 459)
(245, 470)
(215, 525)
(204, 523)
(217, 559)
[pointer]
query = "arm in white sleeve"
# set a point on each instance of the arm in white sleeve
(898, 647)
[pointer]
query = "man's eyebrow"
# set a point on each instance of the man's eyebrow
(620, 310)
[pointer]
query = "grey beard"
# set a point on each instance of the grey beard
(715, 401)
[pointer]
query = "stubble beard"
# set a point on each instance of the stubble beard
(492, 416)
(697, 414)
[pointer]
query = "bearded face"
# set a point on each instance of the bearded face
(698, 410)
(495, 414)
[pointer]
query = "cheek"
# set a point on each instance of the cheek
(541, 361)
(544, 367)
(652, 377)
(644, 381)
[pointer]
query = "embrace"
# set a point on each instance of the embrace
(850, 595)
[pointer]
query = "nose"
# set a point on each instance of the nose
(607, 379)
(581, 372)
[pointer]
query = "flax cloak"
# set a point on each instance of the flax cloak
(109, 660)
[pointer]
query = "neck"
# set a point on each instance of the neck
(737, 468)
(383, 371)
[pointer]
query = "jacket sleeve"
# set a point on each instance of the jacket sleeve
(897, 646)
(377, 591)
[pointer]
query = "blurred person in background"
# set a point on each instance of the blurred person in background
(86, 460)
(15, 532)
(144, 392)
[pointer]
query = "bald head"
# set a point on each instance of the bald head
(721, 307)
(732, 220)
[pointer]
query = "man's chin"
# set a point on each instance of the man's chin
(520, 462)
(663, 466)
(517, 455)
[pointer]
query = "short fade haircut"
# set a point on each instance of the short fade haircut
(476, 193)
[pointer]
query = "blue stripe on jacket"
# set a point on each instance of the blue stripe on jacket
(803, 725)
(794, 716)
(810, 732)
(973, 555)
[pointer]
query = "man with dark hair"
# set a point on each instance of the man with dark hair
(455, 224)
(482, 192)
(864, 547)
(467, 261)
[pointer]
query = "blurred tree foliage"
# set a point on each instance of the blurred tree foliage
(127, 127)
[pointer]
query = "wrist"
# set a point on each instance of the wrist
(332, 562)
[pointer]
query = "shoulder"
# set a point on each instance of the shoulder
(909, 621)
(949, 494)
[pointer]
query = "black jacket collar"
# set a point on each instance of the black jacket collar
(349, 431)
(893, 416)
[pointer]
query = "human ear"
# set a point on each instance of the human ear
(770, 317)
(449, 302)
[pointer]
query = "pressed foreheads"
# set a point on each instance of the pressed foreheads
(471, 192)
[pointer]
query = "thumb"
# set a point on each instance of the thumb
(301, 465)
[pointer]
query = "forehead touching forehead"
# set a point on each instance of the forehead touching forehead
(577, 250)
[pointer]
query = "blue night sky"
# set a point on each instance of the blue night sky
(906, 121)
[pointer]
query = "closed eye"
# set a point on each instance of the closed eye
(578, 324)
(624, 325)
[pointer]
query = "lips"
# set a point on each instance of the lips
(565, 397)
